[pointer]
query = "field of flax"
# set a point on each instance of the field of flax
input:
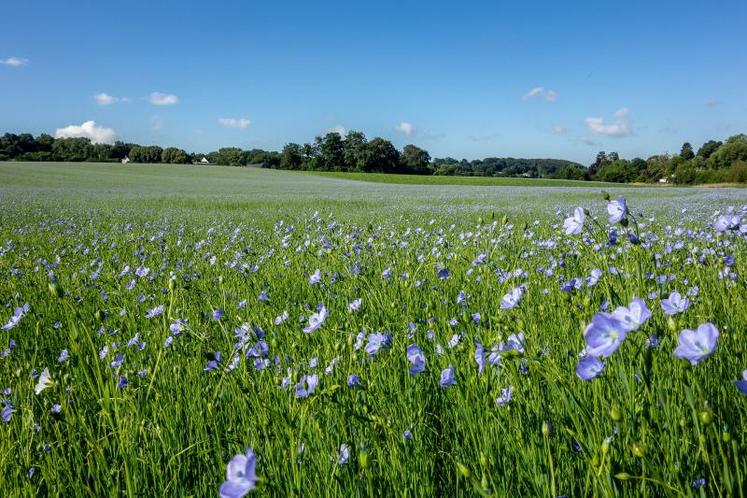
(196, 331)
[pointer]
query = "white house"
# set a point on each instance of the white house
(204, 160)
(125, 160)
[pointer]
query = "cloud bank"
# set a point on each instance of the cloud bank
(96, 133)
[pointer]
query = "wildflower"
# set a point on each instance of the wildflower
(617, 210)
(355, 305)
(575, 224)
(377, 342)
(604, 334)
(514, 344)
(315, 277)
(589, 367)
(7, 412)
(122, 382)
(214, 362)
(354, 380)
(417, 358)
(344, 455)
(262, 298)
(316, 320)
(697, 345)
(742, 384)
(18, 313)
(240, 476)
(632, 317)
(64, 355)
(45, 381)
(448, 377)
(307, 385)
(511, 299)
(506, 394)
(479, 355)
(675, 303)
(218, 314)
(158, 310)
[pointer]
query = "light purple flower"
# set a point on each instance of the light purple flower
(589, 367)
(617, 210)
(479, 355)
(315, 277)
(344, 454)
(727, 222)
(240, 476)
(574, 224)
(742, 384)
(316, 320)
(697, 345)
(634, 316)
(604, 334)
(448, 377)
(506, 394)
(415, 356)
(512, 298)
(154, 312)
(675, 303)
(355, 305)
(307, 385)
(378, 341)
(18, 313)
(7, 413)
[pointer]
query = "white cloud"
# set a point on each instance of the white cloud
(560, 130)
(14, 61)
(105, 99)
(621, 127)
(340, 130)
(158, 98)
(89, 129)
(540, 91)
(406, 128)
(235, 123)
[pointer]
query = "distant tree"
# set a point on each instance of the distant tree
(686, 152)
(71, 149)
(145, 154)
(291, 157)
(735, 149)
(228, 156)
(332, 152)
(174, 155)
(381, 156)
(354, 150)
(415, 160)
(709, 148)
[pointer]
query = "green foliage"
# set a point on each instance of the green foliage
(649, 427)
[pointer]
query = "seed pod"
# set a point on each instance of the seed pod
(615, 414)
(706, 416)
(463, 469)
(639, 449)
(623, 476)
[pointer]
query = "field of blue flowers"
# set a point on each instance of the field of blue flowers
(177, 331)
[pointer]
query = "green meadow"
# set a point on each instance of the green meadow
(179, 315)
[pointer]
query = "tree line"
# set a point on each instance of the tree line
(714, 161)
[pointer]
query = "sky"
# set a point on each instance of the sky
(460, 79)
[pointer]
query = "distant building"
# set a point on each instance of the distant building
(204, 160)
(663, 180)
(125, 160)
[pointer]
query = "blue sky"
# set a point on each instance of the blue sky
(472, 79)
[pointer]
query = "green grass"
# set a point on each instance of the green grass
(212, 237)
(463, 180)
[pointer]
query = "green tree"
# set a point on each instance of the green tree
(291, 157)
(415, 160)
(709, 148)
(686, 152)
(332, 152)
(174, 155)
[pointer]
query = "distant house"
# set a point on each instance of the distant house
(204, 160)
(663, 180)
(125, 160)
